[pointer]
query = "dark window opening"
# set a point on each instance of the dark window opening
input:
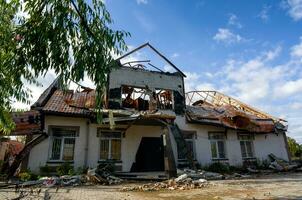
(146, 99)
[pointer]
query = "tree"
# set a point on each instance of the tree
(294, 148)
(72, 37)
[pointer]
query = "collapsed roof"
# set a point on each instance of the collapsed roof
(203, 107)
(215, 108)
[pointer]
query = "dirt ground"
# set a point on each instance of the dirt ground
(274, 186)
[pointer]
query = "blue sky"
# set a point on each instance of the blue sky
(251, 50)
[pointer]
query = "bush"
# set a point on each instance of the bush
(65, 169)
(218, 167)
(45, 170)
(81, 170)
(25, 176)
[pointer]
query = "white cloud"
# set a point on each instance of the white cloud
(296, 50)
(263, 15)
(145, 22)
(262, 82)
(233, 20)
(226, 36)
(272, 54)
(141, 2)
(168, 68)
(289, 88)
(175, 55)
(191, 80)
(294, 8)
(296, 105)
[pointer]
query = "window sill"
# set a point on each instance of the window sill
(110, 161)
(185, 160)
(58, 162)
(220, 159)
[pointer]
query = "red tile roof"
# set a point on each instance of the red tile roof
(69, 102)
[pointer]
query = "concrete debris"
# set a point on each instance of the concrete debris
(279, 164)
(251, 170)
(102, 176)
(200, 174)
(212, 175)
(181, 177)
(55, 181)
(183, 182)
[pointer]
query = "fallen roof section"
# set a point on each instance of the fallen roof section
(217, 99)
(214, 108)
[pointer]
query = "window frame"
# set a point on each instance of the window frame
(109, 139)
(250, 138)
(62, 139)
(189, 136)
(216, 140)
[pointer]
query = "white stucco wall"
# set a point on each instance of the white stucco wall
(264, 144)
(143, 78)
(270, 143)
(39, 155)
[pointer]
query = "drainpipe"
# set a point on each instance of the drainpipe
(87, 142)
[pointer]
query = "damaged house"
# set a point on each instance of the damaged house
(150, 123)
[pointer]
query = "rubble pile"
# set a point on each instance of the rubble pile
(102, 175)
(183, 182)
(54, 181)
(279, 164)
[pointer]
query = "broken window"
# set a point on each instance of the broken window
(146, 99)
(246, 145)
(217, 140)
(164, 99)
(110, 145)
(190, 145)
(63, 143)
(137, 98)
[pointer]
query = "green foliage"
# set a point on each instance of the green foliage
(73, 37)
(45, 170)
(65, 169)
(218, 167)
(25, 176)
(295, 149)
(81, 170)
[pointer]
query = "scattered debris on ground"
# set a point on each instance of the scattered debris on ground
(102, 176)
(279, 164)
(183, 182)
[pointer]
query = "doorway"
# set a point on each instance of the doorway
(150, 155)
